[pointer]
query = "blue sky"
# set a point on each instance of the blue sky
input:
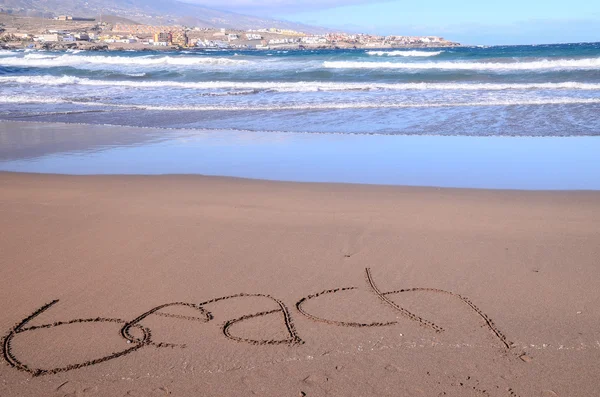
(467, 21)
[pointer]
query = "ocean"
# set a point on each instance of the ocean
(518, 117)
(543, 90)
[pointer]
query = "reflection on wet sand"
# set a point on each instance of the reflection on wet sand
(23, 140)
(523, 163)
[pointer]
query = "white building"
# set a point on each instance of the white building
(278, 41)
(314, 40)
(49, 37)
(253, 36)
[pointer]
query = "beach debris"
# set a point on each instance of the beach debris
(524, 357)
(549, 393)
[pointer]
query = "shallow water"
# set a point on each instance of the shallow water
(551, 163)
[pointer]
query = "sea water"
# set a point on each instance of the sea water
(525, 117)
(545, 90)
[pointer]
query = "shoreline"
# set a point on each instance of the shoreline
(115, 47)
(92, 149)
(387, 241)
(316, 184)
(210, 129)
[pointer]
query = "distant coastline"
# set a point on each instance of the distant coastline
(87, 46)
(68, 32)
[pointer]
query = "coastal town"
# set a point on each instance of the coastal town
(113, 33)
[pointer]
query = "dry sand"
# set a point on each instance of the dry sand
(468, 292)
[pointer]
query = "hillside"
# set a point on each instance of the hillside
(153, 12)
(113, 19)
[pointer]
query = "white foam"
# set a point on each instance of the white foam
(541, 65)
(43, 60)
(301, 86)
(28, 99)
(412, 53)
(370, 105)
(39, 56)
(321, 106)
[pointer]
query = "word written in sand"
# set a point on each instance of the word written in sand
(139, 336)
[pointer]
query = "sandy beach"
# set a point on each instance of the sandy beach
(191, 285)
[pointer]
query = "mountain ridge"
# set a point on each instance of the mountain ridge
(152, 12)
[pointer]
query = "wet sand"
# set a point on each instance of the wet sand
(549, 163)
(191, 285)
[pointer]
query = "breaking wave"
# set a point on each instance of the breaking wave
(23, 99)
(302, 86)
(541, 65)
(412, 53)
(39, 60)
(28, 99)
